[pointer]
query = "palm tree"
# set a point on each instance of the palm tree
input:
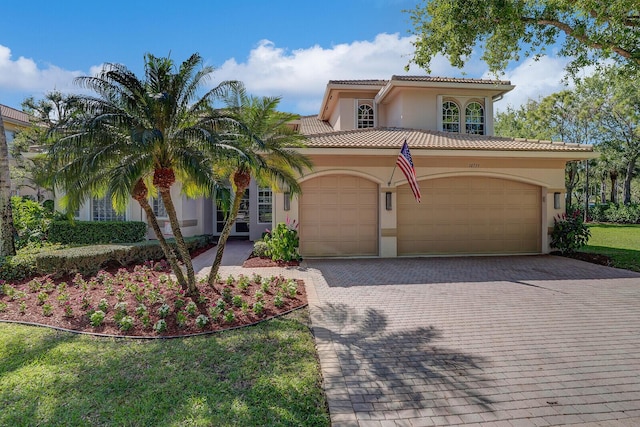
(7, 244)
(137, 137)
(268, 154)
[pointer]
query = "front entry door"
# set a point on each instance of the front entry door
(241, 226)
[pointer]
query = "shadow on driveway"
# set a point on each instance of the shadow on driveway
(387, 370)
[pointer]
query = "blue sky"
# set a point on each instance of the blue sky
(276, 47)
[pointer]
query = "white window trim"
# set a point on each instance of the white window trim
(372, 104)
(462, 102)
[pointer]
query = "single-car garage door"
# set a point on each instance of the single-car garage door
(338, 216)
(469, 215)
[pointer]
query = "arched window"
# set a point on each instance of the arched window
(450, 117)
(474, 118)
(365, 115)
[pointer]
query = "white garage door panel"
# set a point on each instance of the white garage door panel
(338, 216)
(464, 215)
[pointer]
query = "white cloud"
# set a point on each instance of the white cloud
(533, 80)
(300, 76)
(24, 75)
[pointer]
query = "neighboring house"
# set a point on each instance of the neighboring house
(480, 194)
(14, 122)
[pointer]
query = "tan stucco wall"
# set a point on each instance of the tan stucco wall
(547, 173)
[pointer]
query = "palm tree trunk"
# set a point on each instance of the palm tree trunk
(226, 231)
(180, 243)
(166, 249)
(7, 244)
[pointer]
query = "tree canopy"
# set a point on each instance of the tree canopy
(588, 30)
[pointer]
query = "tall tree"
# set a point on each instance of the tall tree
(138, 136)
(47, 113)
(617, 99)
(268, 147)
(589, 30)
(7, 244)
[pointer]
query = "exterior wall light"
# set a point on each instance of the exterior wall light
(388, 199)
(556, 200)
(287, 201)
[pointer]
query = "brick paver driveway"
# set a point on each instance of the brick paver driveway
(509, 341)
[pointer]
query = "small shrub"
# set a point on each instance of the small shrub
(569, 233)
(214, 313)
(68, 310)
(181, 319)
(283, 242)
(201, 321)
(141, 310)
(42, 297)
(226, 293)
(96, 318)
(221, 304)
(47, 310)
(103, 305)
(163, 310)
(229, 316)
(23, 307)
(258, 307)
(3, 306)
(261, 249)
(160, 326)
(191, 308)
(126, 323)
(278, 301)
(237, 300)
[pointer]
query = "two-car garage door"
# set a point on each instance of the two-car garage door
(469, 215)
(458, 215)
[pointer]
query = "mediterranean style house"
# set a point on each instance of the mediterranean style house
(481, 194)
(14, 122)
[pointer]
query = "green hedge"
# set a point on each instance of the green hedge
(615, 213)
(88, 259)
(96, 232)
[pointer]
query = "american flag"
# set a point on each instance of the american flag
(405, 163)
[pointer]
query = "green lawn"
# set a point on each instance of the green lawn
(266, 375)
(621, 242)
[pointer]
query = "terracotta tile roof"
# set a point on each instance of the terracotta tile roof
(435, 79)
(310, 125)
(13, 114)
(422, 139)
(449, 80)
(371, 82)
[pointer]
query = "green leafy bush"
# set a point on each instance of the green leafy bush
(569, 233)
(31, 221)
(282, 242)
(615, 213)
(260, 249)
(97, 232)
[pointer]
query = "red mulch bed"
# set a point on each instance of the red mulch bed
(588, 257)
(68, 302)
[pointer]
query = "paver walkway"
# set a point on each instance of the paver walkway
(495, 341)
(486, 341)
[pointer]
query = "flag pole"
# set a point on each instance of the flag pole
(392, 172)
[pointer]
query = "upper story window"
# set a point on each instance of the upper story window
(450, 117)
(102, 210)
(474, 118)
(366, 116)
(158, 208)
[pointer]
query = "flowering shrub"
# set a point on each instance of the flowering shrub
(282, 242)
(570, 233)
